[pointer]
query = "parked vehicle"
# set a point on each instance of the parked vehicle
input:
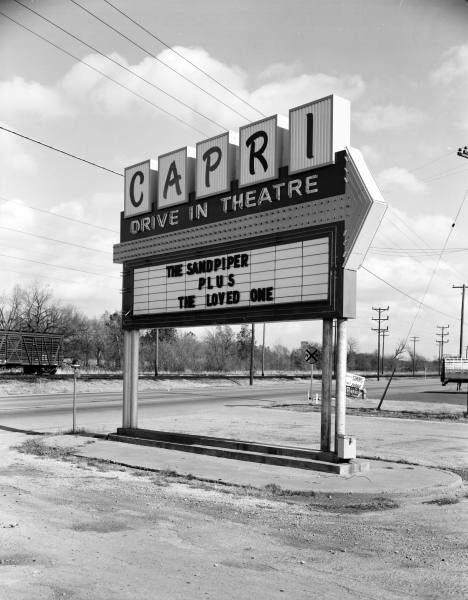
(39, 353)
(454, 369)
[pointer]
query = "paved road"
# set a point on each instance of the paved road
(238, 412)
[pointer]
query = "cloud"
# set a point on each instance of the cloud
(20, 97)
(398, 178)
(380, 118)
(16, 214)
(370, 153)
(283, 89)
(280, 96)
(455, 66)
(280, 70)
(14, 158)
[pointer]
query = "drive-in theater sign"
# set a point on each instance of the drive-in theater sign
(267, 225)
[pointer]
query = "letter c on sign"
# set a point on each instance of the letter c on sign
(141, 178)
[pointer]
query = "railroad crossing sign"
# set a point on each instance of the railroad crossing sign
(311, 354)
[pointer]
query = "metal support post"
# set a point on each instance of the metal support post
(311, 381)
(127, 345)
(156, 354)
(252, 355)
(340, 403)
(327, 366)
(135, 348)
(74, 401)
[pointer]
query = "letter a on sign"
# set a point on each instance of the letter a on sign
(140, 188)
(176, 175)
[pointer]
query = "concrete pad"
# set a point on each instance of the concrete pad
(383, 477)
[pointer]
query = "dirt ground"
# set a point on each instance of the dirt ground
(74, 529)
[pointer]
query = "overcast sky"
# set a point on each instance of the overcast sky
(402, 64)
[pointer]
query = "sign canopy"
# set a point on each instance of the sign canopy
(267, 224)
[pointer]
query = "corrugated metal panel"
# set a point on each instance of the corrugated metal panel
(270, 154)
(220, 178)
(183, 160)
(322, 139)
(142, 177)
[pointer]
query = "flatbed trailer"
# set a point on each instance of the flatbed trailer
(454, 370)
(39, 353)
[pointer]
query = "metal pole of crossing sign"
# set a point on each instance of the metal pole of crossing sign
(311, 379)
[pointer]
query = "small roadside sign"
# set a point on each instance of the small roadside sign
(311, 354)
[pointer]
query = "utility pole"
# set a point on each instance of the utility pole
(156, 354)
(263, 352)
(252, 353)
(384, 335)
(379, 330)
(414, 339)
(442, 341)
(462, 288)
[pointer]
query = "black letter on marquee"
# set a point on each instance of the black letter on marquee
(172, 178)
(141, 177)
(310, 135)
(257, 153)
(211, 167)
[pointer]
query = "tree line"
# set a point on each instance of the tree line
(98, 342)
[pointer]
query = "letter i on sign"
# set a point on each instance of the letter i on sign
(318, 130)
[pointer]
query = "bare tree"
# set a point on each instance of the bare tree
(400, 349)
(10, 310)
(220, 348)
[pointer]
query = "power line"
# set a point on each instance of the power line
(121, 85)
(58, 149)
(442, 174)
(59, 216)
(184, 58)
(438, 262)
(59, 266)
(413, 233)
(43, 237)
(156, 58)
(116, 62)
(405, 294)
(43, 277)
(429, 162)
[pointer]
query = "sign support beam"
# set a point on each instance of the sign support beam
(327, 364)
(340, 402)
(130, 378)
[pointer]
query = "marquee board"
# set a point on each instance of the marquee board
(270, 228)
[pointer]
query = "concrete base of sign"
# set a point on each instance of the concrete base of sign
(300, 458)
